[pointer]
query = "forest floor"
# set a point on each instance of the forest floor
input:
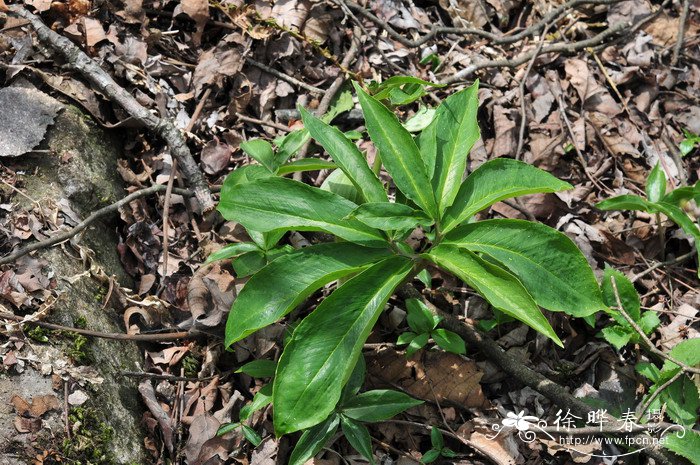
(595, 92)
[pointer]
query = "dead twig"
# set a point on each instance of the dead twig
(497, 39)
(650, 345)
(681, 33)
(285, 77)
(562, 47)
(114, 336)
(272, 124)
(656, 394)
(102, 212)
(102, 81)
(523, 113)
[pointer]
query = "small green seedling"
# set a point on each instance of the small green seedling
(680, 399)
(659, 202)
(517, 266)
(438, 450)
(424, 326)
(622, 333)
(689, 143)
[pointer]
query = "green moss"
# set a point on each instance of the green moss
(91, 438)
(78, 349)
(38, 334)
(191, 364)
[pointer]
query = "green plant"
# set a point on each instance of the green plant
(659, 202)
(689, 142)
(424, 326)
(622, 333)
(677, 396)
(515, 265)
(438, 450)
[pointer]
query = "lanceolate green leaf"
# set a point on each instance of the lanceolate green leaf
(494, 181)
(283, 284)
(231, 250)
(400, 155)
(679, 217)
(624, 202)
(456, 129)
(324, 348)
(378, 405)
(305, 164)
(656, 184)
(261, 150)
(312, 441)
(390, 216)
(548, 263)
(627, 293)
(277, 203)
(427, 145)
(347, 156)
(500, 288)
(357, 435)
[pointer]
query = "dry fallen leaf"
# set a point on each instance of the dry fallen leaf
(430, 374)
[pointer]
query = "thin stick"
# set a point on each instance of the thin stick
(272, 124)
(656, 394)
(681, 33)
(64, 236)
(569, 47)
(115, 336)
(647, 341)
(285, 77)
(497, 39)
(523, 113)
(102, 81)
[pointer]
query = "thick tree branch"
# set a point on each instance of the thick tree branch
(163, 127)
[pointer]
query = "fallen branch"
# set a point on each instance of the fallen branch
(163, 127)
(681, 33)
(564, 47)
(104, 211)
(154, 337)
(497, 39)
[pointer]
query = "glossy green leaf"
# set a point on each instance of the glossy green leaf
(259, 368)
(382, 90)
(261, 150)
(648, 370)
(227, 428)
(686, 444)
(416, 344)
(280, 203)
(449, 341)
(305, 164)
(456, 131)
(312, 441)
(283, 284)
(231, 251)
(341, 185)
(378, 405)
(419, 317)
(498, 180)
(390, 216)
(261, 399)
(649, 322)
(436, 439)
(249, 263)
(500, 288)
(430, 456)
(358, 436)
(624, 202)
(421, 120)
(682, 194)
(618, 336)
(626, 291)
(682, 401)
(547, 262)
(347, 156)
(656, 184)
(251, 435)
(354, 384)
(687, 352)
(399, 153)
(324, 348)
(680, 217)
(266, 240)
(427, 146)
(289, 144)
(405, 338)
